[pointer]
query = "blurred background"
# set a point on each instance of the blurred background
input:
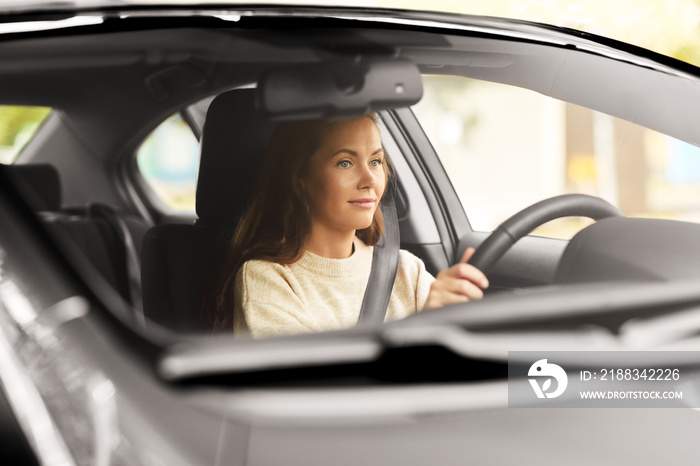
(539, 146)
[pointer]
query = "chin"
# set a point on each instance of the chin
(361, 225)
(365, 226)
(360, 222)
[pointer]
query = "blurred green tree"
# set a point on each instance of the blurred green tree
(17, 126)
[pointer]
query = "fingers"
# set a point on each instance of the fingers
(466, 272)
(447, 290)
(460, 283)
(468, 253)
(462, 287)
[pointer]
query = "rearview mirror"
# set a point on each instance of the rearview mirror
(339, 88)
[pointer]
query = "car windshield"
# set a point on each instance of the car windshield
(542, 147)
(339, 235)
(508, 114)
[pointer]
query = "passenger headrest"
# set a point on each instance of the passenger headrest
(233, 138)
(42, 183)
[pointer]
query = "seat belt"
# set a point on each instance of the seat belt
(385, 262)
(132, 261)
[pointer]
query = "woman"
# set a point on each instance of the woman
(301, 256)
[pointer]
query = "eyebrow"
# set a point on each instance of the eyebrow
(353, 153)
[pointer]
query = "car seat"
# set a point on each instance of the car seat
(178, 258)
(106, 237)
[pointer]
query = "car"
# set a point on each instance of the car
(136, 128)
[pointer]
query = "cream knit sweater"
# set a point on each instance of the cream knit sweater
(316, 293)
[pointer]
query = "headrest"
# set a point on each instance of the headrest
(233, 138)
(42, 183)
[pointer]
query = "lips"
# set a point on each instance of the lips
(364, 203)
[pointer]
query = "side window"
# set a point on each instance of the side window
(505, 148)
(17, 126)
(168, 160)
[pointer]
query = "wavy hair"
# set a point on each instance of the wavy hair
(278, 219)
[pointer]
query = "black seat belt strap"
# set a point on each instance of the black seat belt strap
(385, 262)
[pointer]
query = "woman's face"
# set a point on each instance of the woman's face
(346, 177)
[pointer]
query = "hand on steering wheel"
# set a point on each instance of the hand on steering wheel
(460, 283)
(465, 281)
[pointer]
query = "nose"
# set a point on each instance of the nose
(367, 179)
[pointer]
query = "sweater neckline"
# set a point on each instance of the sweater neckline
(357, 263)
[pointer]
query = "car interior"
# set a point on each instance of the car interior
(432, 383)
(107, 238)
(82, 168)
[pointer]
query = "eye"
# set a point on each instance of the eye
(344, 164)
(376, 162)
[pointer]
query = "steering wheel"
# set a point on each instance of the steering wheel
(522, 223)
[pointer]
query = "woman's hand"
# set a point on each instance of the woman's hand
(458, 284)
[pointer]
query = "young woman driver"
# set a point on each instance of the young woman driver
(301, 257)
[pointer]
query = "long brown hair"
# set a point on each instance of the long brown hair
(277, 222)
